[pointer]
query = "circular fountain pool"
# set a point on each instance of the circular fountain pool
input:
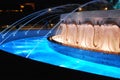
(44, 53)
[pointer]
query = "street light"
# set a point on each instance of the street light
(105, 8)
(21, 6)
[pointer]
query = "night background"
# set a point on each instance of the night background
(13, 10)
(8, 16)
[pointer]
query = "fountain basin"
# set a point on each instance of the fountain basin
(93, 56)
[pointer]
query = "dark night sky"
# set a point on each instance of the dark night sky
(7, 18)
(39, 3)
(44, 1)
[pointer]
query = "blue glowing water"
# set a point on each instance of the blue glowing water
(44, 53)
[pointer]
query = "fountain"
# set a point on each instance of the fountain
(100, 35)
(86, 38)
(95, 31)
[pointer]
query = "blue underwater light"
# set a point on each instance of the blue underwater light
(44, 53)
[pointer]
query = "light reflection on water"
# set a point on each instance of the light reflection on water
(44, 53)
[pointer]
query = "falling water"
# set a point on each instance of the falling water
(93, 37)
